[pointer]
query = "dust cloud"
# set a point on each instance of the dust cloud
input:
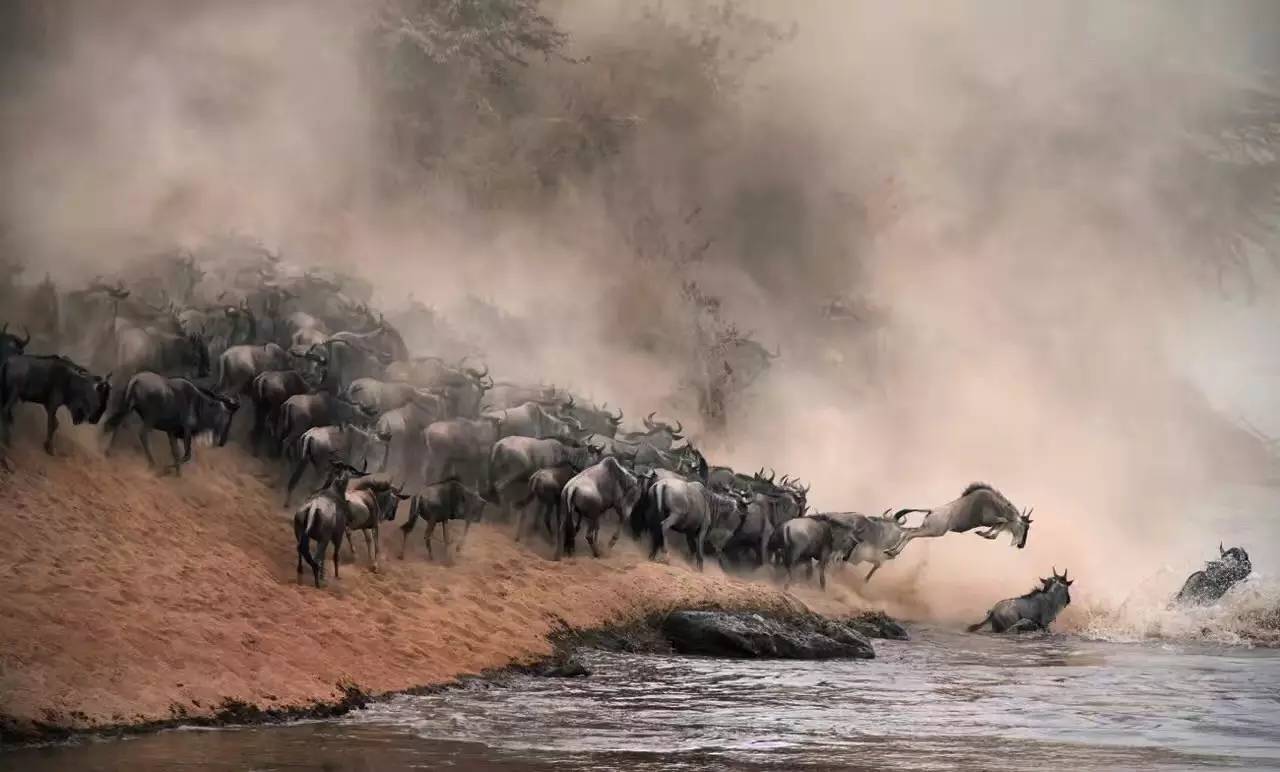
(988, 240)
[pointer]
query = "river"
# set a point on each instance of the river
(945, 700)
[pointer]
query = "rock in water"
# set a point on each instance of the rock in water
(747, 635)
(877, 624)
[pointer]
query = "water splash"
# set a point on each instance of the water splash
(1248, 615)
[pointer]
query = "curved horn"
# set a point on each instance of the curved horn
(648, 422)
(784, 480)
(772, 474)
(679, 427)
(1221, 551)
(617, 420)
(27, 333)
(3, 328)
(1054, 569)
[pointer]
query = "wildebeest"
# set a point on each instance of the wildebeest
(457, 447)
(324, 517)
(51, 381)
(597, 420)
(239, 365)
(591, 493)
(439, 503)
(400, 431)
(1034, 611)
(872, 537)
(269, 391)
(1208, 585)
(545, 487)
(320, 445)
(381, 396)
(659, 434)
(514, 459)
(175, 406)
(689, 508)
(307, 411)
(768, 509)
(979, 506)
(531, 420)
(814, 537)
(139, 350)
(372, 500)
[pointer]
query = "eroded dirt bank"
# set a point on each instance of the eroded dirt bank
(128, 598)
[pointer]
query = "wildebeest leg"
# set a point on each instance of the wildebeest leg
(593, 528)
(371, 545)
(1024, 626)
(408, 525)
(823, 559)
(337, 547)
(146, 448)
(622, 523)
(870, 573)
(444, 533)
(691, 539)
(51, 426)
(991, 534)
(322, 547)
(523, 507)
(431, 526)
(173, 451)
(466, 528)
(298, 469)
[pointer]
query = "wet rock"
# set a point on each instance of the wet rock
(747, 635)
(563, 665)
(877, 624)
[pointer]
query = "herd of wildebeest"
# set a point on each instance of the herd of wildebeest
(333, 390)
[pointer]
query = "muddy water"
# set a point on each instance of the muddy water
(945, 700)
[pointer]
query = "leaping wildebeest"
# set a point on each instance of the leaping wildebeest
(591, 493)
(1034, 611)
(51, 381)
(873, 537)
(175, 406)
(979, 506)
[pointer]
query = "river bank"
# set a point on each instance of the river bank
(135, 602)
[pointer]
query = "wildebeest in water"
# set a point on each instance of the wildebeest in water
(1208, 585)
(1034, 611)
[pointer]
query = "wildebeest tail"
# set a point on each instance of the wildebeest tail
(122, 410)
(304, 537)
(413, 513)
(977, 627)
(639, 513)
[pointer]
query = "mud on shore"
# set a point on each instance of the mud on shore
(135, 602)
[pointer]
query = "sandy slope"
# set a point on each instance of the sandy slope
(125, 596)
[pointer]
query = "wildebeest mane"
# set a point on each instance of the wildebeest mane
(974, 487)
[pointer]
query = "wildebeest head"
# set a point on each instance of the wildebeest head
(88, 396)
(216, 413)
(11, 344)
(395, 495)
(1020, 527)
(1232, 564)
(1057, 587)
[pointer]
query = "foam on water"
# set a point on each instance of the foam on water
(1248, 615)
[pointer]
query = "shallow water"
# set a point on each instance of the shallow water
(945, 700)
